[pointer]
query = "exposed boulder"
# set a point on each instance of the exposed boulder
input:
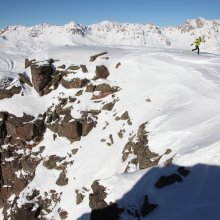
(28, 62)
(73, 67)
(102, 90)
(62, 180)
(96, 199)
(84, 68)
(71, 130)
(144, 158)
(25, 128)
(108, 106)
(42, 77)
(101, 72)
(104, 87)
(74, 83)
(52, 162)
(94, 57)
(25, 79)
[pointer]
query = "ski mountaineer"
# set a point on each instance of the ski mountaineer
(197, 42)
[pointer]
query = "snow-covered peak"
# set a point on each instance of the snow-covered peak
(114, 33)
(198, 23)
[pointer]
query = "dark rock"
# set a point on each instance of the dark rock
(24, 128)
(29, 62)
(8, 93)
(25, 79)
(144, 157)
(167, 180)
(104, 87)
(147, 207)
(62, 66)
(90, 88)
(26, 212)
(12, 181)
(73, 67)
(117, 65)
(84, 68)
(74, 83)
(94, 57)
(70, 130)
(63, 214)
(125, 116)
(42, 77)
(51, 162)
(101, 72)
(79, 197)
(96, 199)
(62, 180)
(109, 106)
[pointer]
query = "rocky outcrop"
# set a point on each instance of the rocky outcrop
(62, 180)
(42, 77)
(143, 157)
(94, 57)
(12, 180)
(102, 90)
(9, 92)
(22, 129)
(97, 198)
(74, 83)
(101, 72)
(25, 79)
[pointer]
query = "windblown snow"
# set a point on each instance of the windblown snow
(162, 84)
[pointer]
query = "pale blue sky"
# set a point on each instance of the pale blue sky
(159, 12)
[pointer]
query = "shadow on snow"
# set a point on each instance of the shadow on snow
(167, 193)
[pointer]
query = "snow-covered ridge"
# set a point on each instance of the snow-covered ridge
(113, 33)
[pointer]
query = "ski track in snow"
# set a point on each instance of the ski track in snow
(183, 116)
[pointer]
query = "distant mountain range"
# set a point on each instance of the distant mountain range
(120, 34)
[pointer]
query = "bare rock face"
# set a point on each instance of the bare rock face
(27, 212)
(101, 72)
(104, 90)
(96, 199)
(9, 92)
(42, 77)
(71, 130)
(22, 129)
(74, 83)
(144, 158)
(12, 180)
(94, 57)
(62, 180)
(68, 127)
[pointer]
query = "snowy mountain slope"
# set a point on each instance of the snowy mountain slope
(172, 101)
(112, 33)
(102, 129)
